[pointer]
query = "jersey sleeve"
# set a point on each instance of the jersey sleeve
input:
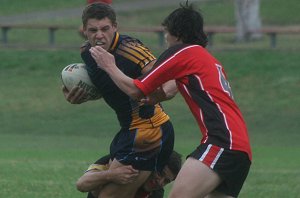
(136, 51)
(100, 165)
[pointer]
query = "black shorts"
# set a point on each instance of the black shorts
(144, 149)
(232, 166)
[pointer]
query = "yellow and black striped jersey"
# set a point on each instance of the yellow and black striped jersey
(131, 57)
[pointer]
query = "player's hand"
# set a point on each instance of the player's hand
(167, 91)
(76, 95)
(154, 98)
(147, 100)
(124, 174)
(103, 58)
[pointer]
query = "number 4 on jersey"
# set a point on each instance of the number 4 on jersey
(223, 81)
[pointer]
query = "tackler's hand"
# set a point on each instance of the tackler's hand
(123, 174)
(103, 58)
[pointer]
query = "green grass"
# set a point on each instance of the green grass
(46, 143)
(12, 7)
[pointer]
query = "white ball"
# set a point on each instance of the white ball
(76, 75)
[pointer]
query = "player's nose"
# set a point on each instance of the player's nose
(99, 34)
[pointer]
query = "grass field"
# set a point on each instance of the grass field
(47, 143)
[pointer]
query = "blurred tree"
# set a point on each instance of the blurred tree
(247, 20)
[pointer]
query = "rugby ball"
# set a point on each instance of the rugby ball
(76, 75)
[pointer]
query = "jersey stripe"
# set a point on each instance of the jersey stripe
(211, 155)
(199, 116)
(115, 42)
(220, 110)
(129, 56)
(135, 54)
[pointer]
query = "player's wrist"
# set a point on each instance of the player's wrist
(109, 176)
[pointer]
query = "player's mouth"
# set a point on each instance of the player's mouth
(100, 43)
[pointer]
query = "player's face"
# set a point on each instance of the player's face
(170, 39)
(159, 180)
(100, 32)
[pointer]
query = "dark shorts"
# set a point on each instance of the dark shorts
(144, 149)
(231, 166)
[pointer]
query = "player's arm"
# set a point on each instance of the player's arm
(107, 62)
(166, 92)
(95, 178)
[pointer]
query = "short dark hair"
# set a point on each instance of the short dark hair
(98, 11)
(174, 163)
(187, 24)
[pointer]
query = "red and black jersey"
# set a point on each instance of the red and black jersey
(203, 83)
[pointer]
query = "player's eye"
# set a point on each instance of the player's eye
(92, 30)
(105, 29)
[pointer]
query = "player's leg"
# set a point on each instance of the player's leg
(146, 149)
(127, 190)
(212, 171)
(195, 179)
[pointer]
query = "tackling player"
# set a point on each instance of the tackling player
(98, 175)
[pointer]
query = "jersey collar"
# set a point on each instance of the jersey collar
(114, 42)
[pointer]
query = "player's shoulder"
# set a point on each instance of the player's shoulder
(134, 50)
(183, 47)
(127, 43)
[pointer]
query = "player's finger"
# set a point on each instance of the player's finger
(81, 96)
(133, 170)
(99, 49)
(75, 95)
